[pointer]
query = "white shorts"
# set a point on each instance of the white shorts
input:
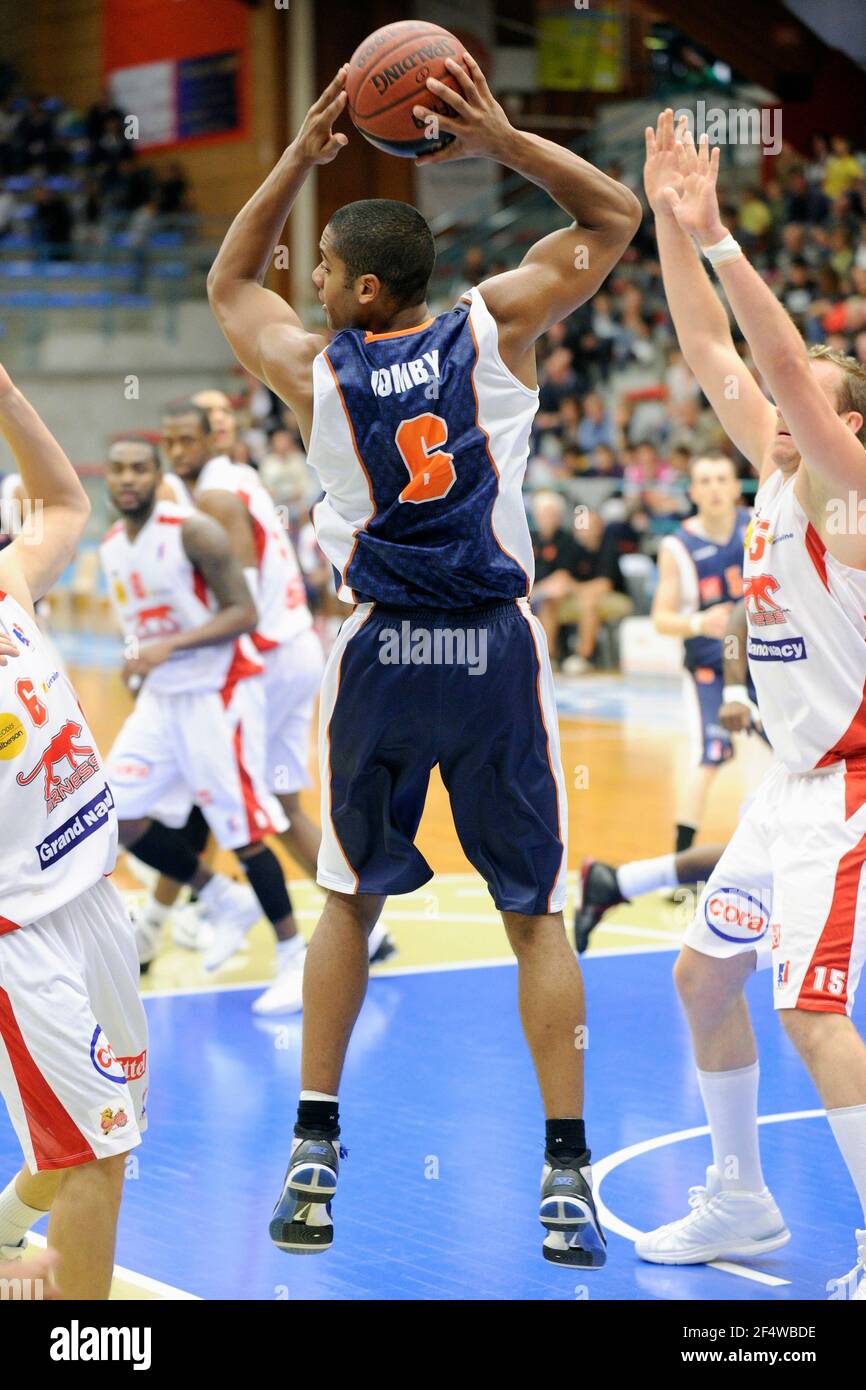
(178, 750)
(790, 878)
(293, 675)
(73, 1033)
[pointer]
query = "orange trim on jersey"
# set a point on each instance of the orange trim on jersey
(57, 1141)
(549, 759)
(398, 333)
(355, 875)
(345, 571)
(5, 925)
(252, 806)
(835, 943)
(483, 431)
(817, 552)
(170, 520)
(113, 531)
(260, 535)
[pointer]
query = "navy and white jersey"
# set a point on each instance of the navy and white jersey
(420, 440)
(710, 573)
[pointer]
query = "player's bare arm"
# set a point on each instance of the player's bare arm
(738, 713)
(27, 569)
(208, 547)
(666, 615)
(699, 317)
(564, 269)
(832, 455)
(233, 517)
(265, 333)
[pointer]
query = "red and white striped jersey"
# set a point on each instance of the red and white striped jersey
(59, 826)
(157, 591)
(807, 634)
(282, 599)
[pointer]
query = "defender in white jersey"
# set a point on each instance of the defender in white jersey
(286, 642)
(419, 427)
(183, 605)
(73, 1035)
(793, 869)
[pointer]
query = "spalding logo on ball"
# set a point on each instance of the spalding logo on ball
(388, 76)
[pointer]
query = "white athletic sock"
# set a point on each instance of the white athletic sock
(646, 876)
(731, 1102)
(16, 1217)
(317, 1095)
(849, 1131)
(290, 950)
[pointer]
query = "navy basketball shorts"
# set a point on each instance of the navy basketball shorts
(469, 691)
(711, 745)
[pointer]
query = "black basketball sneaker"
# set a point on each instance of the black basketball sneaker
(600, 893)
(568, 1214)
(301, 1223)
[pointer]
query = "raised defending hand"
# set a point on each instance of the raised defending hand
(315, 142)
(479, 125)
(695, 204)
(661, 169)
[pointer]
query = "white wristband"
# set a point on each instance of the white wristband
(736, 695)
(695, 625)
(721, 252)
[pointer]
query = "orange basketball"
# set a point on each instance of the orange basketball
(388, 76)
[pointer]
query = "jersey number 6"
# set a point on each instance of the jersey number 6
(431, 470)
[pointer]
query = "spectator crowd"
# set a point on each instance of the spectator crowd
(70, 179)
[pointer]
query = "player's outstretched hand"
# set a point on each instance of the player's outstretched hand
(7, 649)
(479, 125)
(696, 205)
(661, 169)
(315, 142)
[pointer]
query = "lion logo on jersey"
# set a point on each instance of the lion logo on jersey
(63, 747)
(158, 621)
(762, 609)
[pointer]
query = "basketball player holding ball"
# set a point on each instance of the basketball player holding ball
(418, 427)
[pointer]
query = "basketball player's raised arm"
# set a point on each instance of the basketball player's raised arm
(832, 454)
(36, 559)
(564, 269)
(259, 325)
(699, 317)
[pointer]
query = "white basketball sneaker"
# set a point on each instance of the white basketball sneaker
(231, 910)
(286, 994)
(721, 1225)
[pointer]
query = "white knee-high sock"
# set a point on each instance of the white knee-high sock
(646, 875)
(731, 1102)
(849, 1131)
(16, 1217)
